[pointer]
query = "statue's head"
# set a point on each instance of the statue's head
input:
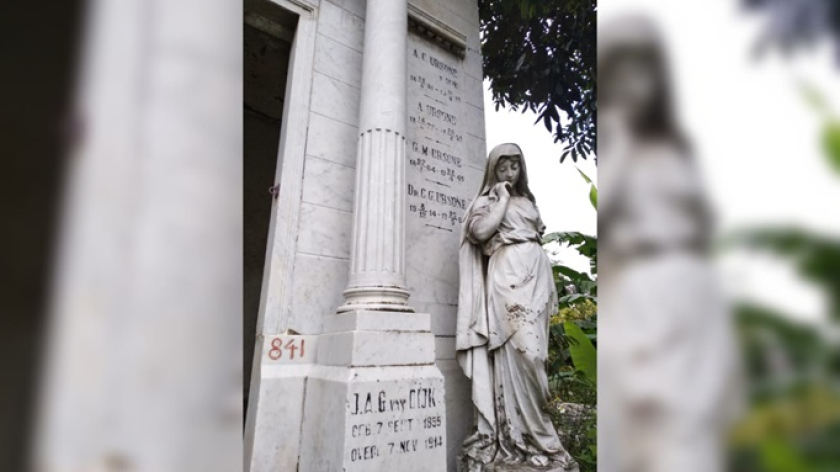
(633, 76)
(507, 164)
(508, 169)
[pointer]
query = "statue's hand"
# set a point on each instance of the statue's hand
(502, 189)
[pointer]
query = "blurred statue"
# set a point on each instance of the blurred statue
(666, 355)
(507, 295)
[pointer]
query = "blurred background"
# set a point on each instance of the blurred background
(121, 269)
(757, 93)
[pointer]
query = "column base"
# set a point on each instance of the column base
(391, 299)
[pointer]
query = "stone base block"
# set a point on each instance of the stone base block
(275, 408)
(377, 321)
(465, 465)
(459, 408)
(275, 415)
(370, 348)
(374, 419)
(371, 338)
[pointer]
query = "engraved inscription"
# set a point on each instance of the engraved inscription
(436, 190)
(386, 422)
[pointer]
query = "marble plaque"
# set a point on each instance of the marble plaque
(394, 424)
(439, 181)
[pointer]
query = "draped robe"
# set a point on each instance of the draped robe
(507, 296)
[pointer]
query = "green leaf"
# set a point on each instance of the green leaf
(593, 191)
(583, 352)
(831, 143)
(520, 62)
(585, 177)
(571, 298)
(570, 273)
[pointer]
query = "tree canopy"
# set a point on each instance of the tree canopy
(539, 55)
(791, 25)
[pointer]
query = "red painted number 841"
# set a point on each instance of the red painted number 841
(292, 346)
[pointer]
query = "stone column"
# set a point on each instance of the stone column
(376, 400)
(377, 267)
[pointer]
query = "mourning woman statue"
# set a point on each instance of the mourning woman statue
(668, 372)
(506, 297)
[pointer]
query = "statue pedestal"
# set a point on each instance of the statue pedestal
(465, 466)
(376, 399)
(532, 468)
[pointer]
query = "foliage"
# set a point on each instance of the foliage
(572, 352)
(582, 351)
(573, 413)
(815, 257)
(794, 422)
(780, 354)
(793, 24)
(801, 426)
(586, 246)
(540, 55)
(593, 190)
(584, 310)
(577, 302)
(563, 363)
(830, 134)
(831, 142)
(573, 392)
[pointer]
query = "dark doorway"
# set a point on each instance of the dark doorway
(39, 70)
(269, 33)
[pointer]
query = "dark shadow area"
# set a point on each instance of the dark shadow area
(269, 32)
(39, 44)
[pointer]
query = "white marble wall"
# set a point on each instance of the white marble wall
(322, 261)
(319, 175)
(329, 166)
(446, 116)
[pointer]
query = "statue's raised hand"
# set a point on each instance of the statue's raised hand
(502, 189)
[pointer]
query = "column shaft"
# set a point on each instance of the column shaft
(377, 266)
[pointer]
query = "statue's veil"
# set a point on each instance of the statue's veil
(498, 152)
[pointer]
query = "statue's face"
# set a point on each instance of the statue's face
(507, 170)
(632, 83)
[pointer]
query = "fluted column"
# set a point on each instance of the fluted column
(377, 263)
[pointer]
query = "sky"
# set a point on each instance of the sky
(756, 139)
